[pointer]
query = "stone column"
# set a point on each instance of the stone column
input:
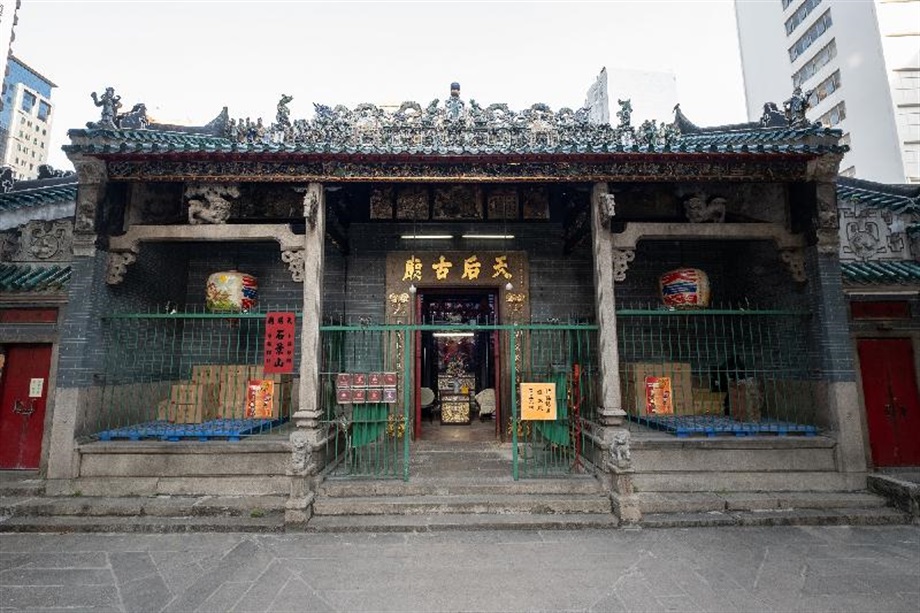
(618, 465)
(308, 438)
(611, 410)
(832, 346)
(79, 329)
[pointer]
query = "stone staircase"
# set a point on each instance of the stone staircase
(24, 508)
(461, 486)
(750, 481)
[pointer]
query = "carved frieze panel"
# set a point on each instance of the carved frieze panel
(412, 202)
(458, 202)
(382, 203)
(155, 203)
(502, 203)
(222, 171)
(39, 241)
(536, 202)
(870, 233)
(210, 203)
(268, 201)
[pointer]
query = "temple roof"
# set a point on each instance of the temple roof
(900, 198)
(34, 278)
(889, 272)
(65, 191)
(448, 128)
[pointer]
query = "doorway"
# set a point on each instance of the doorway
(892, 400)
(460, 367)
(23, 393)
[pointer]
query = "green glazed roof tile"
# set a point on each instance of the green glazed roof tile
(881, 272)
(34, 278)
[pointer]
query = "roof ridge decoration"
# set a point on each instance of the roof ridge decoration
(448, 124)
(444, 128)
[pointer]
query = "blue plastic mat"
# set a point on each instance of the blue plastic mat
(713, 425)
(230, 429)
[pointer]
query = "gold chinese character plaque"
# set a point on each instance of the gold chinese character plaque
(538, 401)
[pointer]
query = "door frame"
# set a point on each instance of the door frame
(49, 393)
(884, 332)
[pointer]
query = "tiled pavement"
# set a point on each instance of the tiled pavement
(726, 569)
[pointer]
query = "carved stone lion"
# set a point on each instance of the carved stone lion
(619, 450)
(210, 204)
(299, 451)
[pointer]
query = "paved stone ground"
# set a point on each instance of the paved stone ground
(723, 569)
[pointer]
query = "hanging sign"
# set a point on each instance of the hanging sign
(538, 401)
(279, 342)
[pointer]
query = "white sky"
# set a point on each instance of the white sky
(186, 60)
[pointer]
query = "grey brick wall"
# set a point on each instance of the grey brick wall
(830, 343)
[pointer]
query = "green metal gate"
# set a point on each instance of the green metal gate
(372, 439)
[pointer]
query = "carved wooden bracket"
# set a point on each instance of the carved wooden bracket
(795, 262)
(294, 258)
(124, 249)
(621, 260)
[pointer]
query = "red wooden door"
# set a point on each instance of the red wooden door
(23, 392)
(892, 400)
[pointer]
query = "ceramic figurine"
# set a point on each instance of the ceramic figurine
(231, 291)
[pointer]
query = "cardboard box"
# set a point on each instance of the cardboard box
(192, 403)
(232, 382)
(745, 399)
(706, 402)
(640, 374)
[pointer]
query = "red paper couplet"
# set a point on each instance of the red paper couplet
(279, 342)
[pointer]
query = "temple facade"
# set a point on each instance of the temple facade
(660, 306)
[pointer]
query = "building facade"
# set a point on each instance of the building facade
(25, 119)
(457, 249)
(859, 60)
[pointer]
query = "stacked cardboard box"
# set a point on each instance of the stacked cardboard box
(245, 391)
(189, 403)
(645, 385)
(706, 402)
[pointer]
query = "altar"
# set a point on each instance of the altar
(456, 396)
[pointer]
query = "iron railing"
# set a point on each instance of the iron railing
(191, 369)
(712, 370)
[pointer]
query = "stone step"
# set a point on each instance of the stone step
(460, 521)
(263, 485)
(10, 486)
(160, 506)
(773, 454)
(844, 516)
(270, 522)
(469, 486)
(426, 505)
(729, 481)
(702, 502)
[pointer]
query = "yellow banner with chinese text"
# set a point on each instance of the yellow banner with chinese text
(538, 401)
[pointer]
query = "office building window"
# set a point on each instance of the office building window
(44, 110)
(844, 140)
(786, 3)
(834, 116)
(28, 101)
(821, 58)
(800, 14)
(848, 172)
(811, 35)
(828, 86)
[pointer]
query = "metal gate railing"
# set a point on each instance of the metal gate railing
(367, 438)
(743, 371)
(184, 375)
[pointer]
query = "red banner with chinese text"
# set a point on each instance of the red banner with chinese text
(279, 342)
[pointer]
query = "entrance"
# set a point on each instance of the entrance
(892, 400)
(457, 370)
(23, 393)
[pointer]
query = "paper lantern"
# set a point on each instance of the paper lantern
(685, 288)
(231, 291)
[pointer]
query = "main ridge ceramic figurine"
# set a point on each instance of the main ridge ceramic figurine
(685, 288)
(231, 291)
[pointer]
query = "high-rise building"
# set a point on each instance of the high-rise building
(860, 60)
(26, 119)
(8, 20)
